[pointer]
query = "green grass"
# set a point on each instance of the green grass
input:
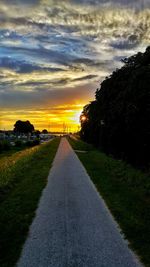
(22, 179)
(8, 153)
(126, 192)
(11, 151)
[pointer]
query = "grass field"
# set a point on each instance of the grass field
(126, 192)
(8, 153)
(22, 179)
(11, 151)
(7, 150)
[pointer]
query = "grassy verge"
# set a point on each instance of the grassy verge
(22, 179)
(126, 192)
(10, 152)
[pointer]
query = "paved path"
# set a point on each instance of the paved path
(73, 227)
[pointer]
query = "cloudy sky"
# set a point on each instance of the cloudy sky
(54, 54)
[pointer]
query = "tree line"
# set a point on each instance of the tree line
(118, 120)
(25, 127)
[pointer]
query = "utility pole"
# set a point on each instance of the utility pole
(49, 127)
(64, 128)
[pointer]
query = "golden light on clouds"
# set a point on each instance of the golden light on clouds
(52, 120)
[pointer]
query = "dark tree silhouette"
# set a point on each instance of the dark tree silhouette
(45, 131)
(23, 127)
(118, 120)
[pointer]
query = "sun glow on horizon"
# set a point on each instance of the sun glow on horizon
(52, 120)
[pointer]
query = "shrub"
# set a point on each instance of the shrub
(33, 143)
(1, 146)
(4, 145)
(36, 142)
(18, 143)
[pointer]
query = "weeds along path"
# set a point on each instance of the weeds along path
(9, 165)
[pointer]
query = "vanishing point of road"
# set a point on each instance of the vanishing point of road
(72, 226)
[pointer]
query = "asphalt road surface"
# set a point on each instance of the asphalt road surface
(72, 226)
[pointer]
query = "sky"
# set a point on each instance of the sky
(54, 55)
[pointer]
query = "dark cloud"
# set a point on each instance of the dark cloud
(25, 99)
(40, 53)
(20, 2)
(93, 63)
(87, 77)
(57, 9)
(45, 83)
(125, 44)
(12, 35)
(133, 3)
(23, 66)
(86, 61)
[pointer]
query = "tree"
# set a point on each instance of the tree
(89, 123)
(23, 127)
(119, 118)
(37, 132)
(45, 131)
